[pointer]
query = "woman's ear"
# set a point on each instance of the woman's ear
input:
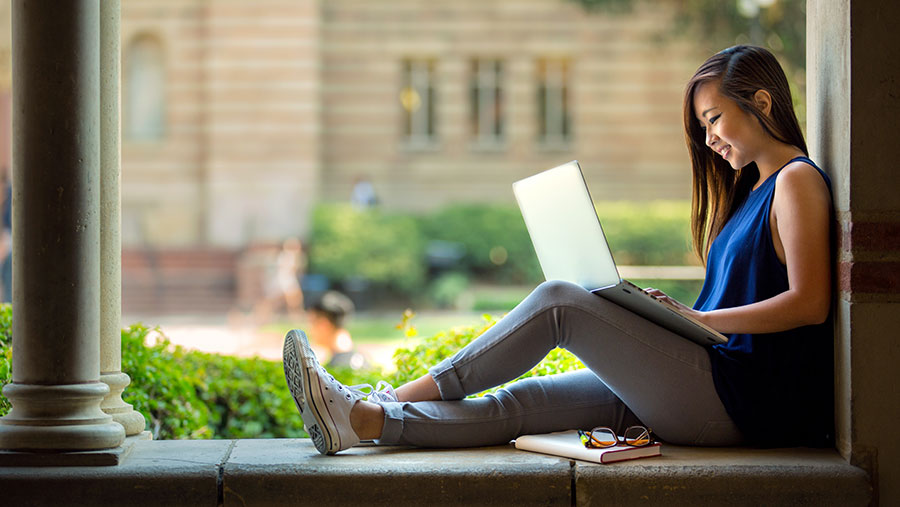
(763, 101)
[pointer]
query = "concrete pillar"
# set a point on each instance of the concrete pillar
(110, 224)
(56, 390)
(853, 99)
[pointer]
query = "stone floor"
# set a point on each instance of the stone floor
(291, 472)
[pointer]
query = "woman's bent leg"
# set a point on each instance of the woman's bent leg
(663, 378)
(534, 405)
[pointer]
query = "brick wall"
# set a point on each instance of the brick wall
(238, 161)
(273, 105)
(870, 258)
(262, 118)
(626, 90)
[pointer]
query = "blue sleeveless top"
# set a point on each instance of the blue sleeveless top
(777, 387)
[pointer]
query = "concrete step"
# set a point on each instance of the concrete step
(291, 472)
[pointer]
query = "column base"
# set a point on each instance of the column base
(58, 418)
(105, 457)
(121, 412)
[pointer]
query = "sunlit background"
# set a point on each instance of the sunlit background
(275, 150)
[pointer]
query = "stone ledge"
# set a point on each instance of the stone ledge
(726, 476)
(291, 472)
(165, 472)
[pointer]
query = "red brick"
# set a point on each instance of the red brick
(869, 277)
(880, 237)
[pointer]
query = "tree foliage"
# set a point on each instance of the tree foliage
(779, 25)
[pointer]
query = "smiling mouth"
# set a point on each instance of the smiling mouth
(725, 151)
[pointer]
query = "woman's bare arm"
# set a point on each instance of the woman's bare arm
(801, 224)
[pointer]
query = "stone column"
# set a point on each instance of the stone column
(110, 225)
(853, 102)
(56, 390)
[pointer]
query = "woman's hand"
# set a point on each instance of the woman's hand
(687, 310)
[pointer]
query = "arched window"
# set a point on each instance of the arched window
(144, 99)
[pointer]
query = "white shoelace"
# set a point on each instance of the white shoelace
(381, 392)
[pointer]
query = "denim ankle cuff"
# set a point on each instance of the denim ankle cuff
(444, 375)
(393, 423)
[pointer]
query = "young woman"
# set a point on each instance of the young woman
(761, 221)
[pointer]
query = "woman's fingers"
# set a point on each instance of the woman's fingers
(661, 296)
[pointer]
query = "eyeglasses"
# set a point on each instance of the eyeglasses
(602, 437)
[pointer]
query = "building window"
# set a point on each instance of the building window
(418, 101)
(487, 102)
(144, 90)
(554, 119)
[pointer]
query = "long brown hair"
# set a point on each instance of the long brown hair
(717, 188)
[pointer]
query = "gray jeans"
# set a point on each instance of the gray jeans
(638, 373)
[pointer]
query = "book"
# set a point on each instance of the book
(568, 444)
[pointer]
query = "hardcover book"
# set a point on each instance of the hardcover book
(568, 445)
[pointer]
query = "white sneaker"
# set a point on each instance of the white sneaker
(324, 403)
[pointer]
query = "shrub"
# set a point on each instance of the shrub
(164, 386)
(190, 394)
(249, 397)
(412, 362)
(384, 249)
(389, 250)
(648, 233)
(5, 353)
(445, 290)
(495, 241)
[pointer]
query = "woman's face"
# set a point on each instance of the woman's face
(731, 132)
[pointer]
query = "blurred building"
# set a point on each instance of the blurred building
(240, 115)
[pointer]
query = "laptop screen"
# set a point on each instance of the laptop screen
(564, 227)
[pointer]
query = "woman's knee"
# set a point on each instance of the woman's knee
(559, 291)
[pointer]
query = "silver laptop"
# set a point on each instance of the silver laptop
(571, 246)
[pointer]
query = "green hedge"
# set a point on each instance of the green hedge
(414, 359)
(495, 242)
(5, 353)
(389, 250)
(655, 233)
(189, 394)
(385, 249)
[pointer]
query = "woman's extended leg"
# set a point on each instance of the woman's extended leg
(663, 378)
(577, 399)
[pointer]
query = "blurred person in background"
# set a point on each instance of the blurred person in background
(326, 331)
(282, 287)
(363, 195)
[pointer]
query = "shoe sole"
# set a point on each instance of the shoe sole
(309, 401)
